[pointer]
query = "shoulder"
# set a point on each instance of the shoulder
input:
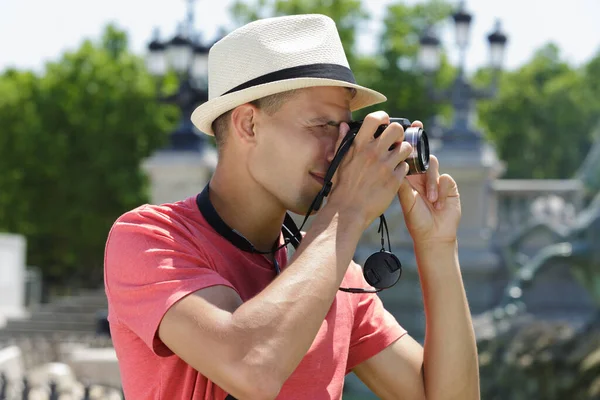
(147, 229)
(166, 219)
(159, 215)
(153, 243)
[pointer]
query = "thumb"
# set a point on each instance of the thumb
(343, 130)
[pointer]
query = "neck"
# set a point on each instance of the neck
(259, 220)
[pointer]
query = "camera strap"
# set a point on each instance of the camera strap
(290, 231)
(335, 163)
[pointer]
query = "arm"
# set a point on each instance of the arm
(396, 372)
(450, 359)
(447, 368)
(250, 349)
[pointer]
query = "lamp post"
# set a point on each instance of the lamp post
(462, 94)
(188, 58)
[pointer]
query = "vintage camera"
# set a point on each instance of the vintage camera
(418, 161)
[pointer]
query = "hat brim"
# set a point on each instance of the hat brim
(205, 114)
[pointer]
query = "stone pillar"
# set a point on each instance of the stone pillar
(176, 175)
(11, 363)
(473, 168)
(12, 276)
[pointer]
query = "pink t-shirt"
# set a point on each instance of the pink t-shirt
(156, 255)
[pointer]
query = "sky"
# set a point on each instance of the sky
(33, 32)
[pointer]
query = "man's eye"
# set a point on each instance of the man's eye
(324, 129)
(328, 126)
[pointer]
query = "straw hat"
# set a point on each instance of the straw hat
(274, 55)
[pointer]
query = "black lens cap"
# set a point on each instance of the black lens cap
(382, 270)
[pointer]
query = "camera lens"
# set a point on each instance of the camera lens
(418, 162)
(424, 150)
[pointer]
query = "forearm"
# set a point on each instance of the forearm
(450, 352)
(279, 325)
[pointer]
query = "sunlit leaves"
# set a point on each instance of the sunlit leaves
(71, 143)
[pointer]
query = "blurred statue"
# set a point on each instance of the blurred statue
(575, 237)
(589, 172)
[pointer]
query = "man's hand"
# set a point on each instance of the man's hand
(430, 204)
(370, 174)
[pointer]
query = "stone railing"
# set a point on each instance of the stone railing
(47, 348)
(520, 200)
(59, 367)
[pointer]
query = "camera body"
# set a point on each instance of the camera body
(418, 161)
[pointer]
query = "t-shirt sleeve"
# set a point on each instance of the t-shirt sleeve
(374, 328)
(150, 263)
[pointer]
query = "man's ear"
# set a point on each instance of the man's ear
(242, 122)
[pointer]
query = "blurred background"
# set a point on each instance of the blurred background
(95, 99)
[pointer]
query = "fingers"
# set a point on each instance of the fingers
(370, 125)
(392, 137)
(397, 156)
(390, 144)
(447, 188)
(432, 177)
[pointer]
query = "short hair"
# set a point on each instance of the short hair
(270, 104)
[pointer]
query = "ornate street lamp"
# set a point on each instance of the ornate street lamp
(462, 24)
(497, 41)
(429, 53)
(462, 94)
(188, 58)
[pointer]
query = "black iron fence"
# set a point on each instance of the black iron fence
(23, 390)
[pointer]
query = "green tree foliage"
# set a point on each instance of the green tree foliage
(392, 69)
(543, 118)
(71, 143)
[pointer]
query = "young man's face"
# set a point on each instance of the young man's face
(296, 144)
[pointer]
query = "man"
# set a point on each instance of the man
(203, 302)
